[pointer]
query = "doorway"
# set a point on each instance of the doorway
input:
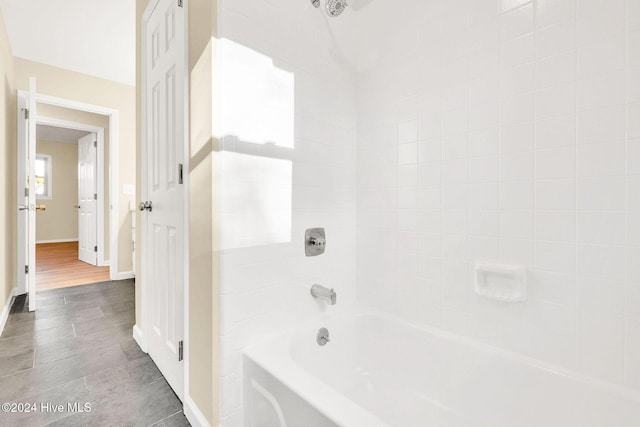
(44, 110)
(68, 163)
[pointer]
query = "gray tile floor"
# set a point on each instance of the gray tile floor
(77, 348)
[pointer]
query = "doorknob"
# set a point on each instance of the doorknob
(41, 207)
(23, 208)
(76, 206)
(145, 206)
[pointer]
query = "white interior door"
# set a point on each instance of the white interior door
(23, 188)
(87, 199)
(163, 220)
(27, 216)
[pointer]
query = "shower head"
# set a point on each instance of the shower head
(335, 7)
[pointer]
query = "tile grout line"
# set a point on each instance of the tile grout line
(576, 214)
(38, 392)
(33, 392)
(58, 420)
(165, 418)
(625, 308)
(15, 373)
(84, 378)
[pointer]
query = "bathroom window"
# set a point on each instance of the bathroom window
(43, 176)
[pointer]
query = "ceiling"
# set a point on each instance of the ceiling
(95, 37)
(56, 134)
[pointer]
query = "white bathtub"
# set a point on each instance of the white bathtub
(379, 371)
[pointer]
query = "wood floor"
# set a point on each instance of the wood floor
(57, 266)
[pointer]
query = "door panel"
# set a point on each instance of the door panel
(23, 199)
(31, 185)
(87, 199)
(164, 223)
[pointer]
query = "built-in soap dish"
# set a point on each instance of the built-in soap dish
(506, 283)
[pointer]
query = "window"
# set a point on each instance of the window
(43, 176)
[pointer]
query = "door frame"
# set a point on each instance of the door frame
(114, 129)
(99, 131)
(141, 333)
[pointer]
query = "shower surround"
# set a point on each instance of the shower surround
(505, 132)
(426, 136)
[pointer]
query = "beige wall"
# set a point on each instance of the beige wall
(82, 117)
(8, 195)
(60, 220)
(67, 84)
(203, 269)
(204, 265)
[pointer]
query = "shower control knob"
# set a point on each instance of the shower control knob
(315, 242)
(322, 337)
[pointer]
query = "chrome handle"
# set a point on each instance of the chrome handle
(322, 337)
(318, 242)
(23, 208)
(148, 206)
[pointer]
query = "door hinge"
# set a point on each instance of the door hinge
(26, 269)
(26, 114)
(95, 196)
(95, 249)
(179, 3)
(180, 350)
(180, 173)
(95, 143)
(26, 192)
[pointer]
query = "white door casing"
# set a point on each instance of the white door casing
(23, 200)
(31, 115)
(87, 199)
(163, 224)
(112, 202)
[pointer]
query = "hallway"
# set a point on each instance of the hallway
(58, 266)
(78, 348)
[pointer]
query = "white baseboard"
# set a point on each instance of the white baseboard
(5, 310)
(139, 337)
(193, 414)
(56, 241)
(124, 275)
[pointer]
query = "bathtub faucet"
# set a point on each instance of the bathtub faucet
(324, 294)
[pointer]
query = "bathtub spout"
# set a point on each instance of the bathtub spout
(324, 294)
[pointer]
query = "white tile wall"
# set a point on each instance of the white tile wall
(527, 153)
(444, 133)
(288, 163)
